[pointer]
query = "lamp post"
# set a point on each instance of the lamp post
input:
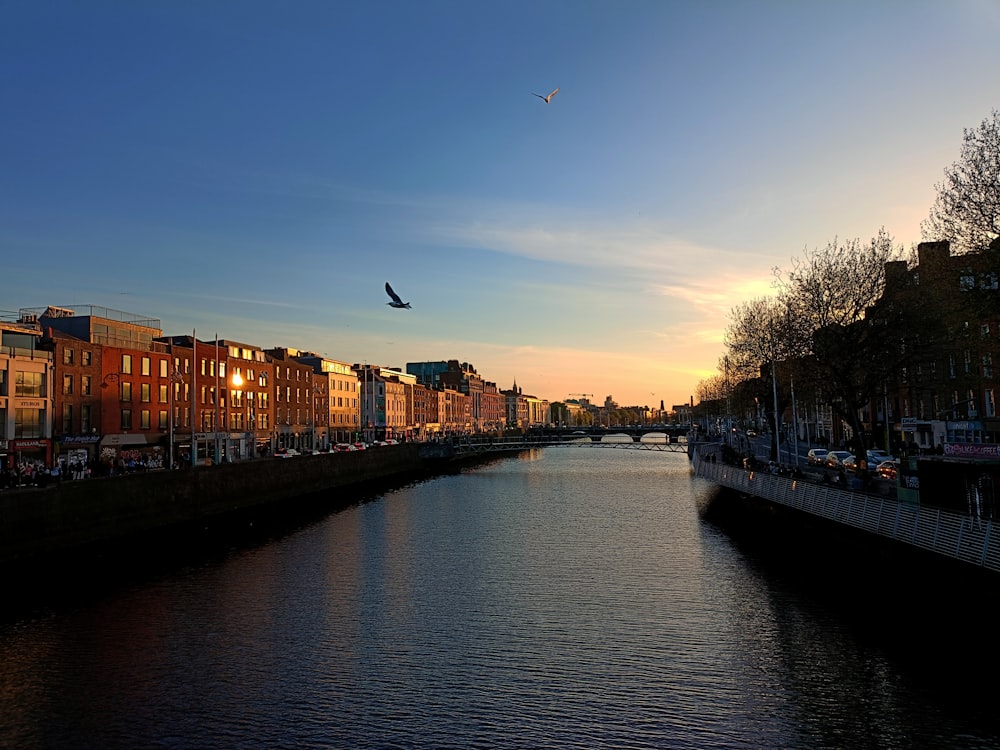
(317, 391)
(173, 379)
(238, 384)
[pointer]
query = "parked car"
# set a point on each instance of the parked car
(850, 463)
(835, 459)
(876, 456)
(888, 469)
(816, 456)
(359, 446)
(343, 447)
(287, 453)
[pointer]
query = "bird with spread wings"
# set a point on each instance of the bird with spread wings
(548, 98)
(396, 301)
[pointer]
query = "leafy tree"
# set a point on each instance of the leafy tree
(966, 211)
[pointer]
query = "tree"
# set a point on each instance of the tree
(762, 333)
(857, 338)
(966, 211)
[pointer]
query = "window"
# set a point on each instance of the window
(145, 365)
(85, 358)
(67, 419)
(991, 404)
(67, 356)
(126, 392)
(988, 365)
(144, 419)
(163, 419)
(28, 423)
(30, 385)
(126, 364)
(163, 395)
(85, 420)
(966, 280)
(85, 385)
(126, 419)
(67, 384)
(144, 392)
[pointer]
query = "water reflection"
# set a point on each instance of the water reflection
(581, 598)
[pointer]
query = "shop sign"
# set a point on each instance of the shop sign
(30, 403)
(972, 450)
(80, 439)
(967, 425)
(24, 443)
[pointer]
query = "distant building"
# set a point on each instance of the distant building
(27, 373)
(342, 410)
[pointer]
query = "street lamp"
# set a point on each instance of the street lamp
(173, 378)
(238, 384)
(317, 391)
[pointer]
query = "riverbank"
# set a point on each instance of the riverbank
(78, 517)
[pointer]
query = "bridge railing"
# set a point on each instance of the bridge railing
(955, 535)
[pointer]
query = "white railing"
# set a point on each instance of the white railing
(956, 535)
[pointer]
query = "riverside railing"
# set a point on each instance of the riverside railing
(958, 536)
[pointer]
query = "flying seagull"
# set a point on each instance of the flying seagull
(396, 301)
(548, 98)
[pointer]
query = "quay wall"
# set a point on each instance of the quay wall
(77, 514)
(959, 537)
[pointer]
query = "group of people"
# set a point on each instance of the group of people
(34, 473)
(30, 474)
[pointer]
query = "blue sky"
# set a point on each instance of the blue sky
(260, 170)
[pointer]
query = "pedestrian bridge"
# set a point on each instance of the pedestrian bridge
(465, 446)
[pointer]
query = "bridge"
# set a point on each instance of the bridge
(459, 447)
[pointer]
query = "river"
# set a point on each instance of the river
(567, 598)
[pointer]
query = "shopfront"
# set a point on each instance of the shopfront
(83, 447)
(130, 452)
(37, 450)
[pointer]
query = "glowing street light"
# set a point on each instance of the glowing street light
(238, 384)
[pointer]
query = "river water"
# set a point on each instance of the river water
(567, 598)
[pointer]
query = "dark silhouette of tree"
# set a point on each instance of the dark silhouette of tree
(966, 211)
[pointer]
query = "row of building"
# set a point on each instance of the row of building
(93, 383)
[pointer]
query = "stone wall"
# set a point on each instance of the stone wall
(76, 514)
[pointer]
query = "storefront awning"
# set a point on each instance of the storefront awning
(123, 439)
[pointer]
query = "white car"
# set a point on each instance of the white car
(816, 456)
(287, 453)
(835, 459)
